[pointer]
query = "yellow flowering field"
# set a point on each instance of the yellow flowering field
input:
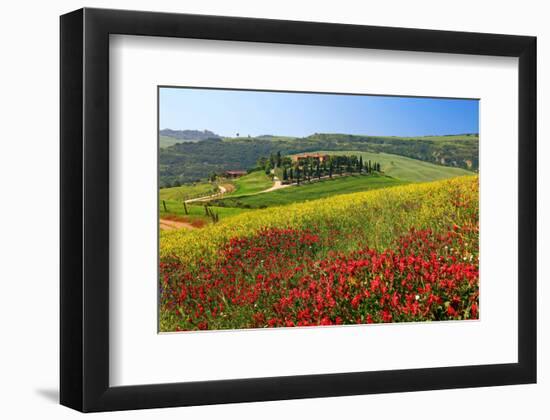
(374, 217)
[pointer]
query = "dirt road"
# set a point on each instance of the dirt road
(222, 189)
(167, 224)
(276, 186)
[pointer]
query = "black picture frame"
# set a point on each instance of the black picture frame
(84, 297)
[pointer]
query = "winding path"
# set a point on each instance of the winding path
(169, 224)
(222, 191)
(277, 185)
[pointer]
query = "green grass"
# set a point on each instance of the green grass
(196, 210)
(311, 191)
(404, 168)
(187, 191)
(252, 183)
(173, 198)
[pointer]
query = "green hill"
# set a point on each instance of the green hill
(191, 161)
(198, 189)
(252, 183)
(310, 191)
(404, 168)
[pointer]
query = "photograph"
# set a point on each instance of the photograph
(297, 209)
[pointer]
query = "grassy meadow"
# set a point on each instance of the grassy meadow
(405, 168)
(187, 191)
(251, 183)
(310, 191)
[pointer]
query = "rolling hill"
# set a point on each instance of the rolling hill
(310, 191)
(406, 169)
(252, 183)
(183, 162)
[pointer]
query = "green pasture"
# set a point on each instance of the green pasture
(404, 168)
(310, 191)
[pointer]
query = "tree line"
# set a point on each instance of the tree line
(308, 167)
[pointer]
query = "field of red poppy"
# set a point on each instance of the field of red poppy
(329, 271)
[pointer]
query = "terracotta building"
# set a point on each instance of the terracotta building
(235, 174)
(314, 156)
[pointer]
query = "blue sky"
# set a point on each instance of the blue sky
(227, 112)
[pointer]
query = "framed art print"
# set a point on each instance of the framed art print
(257, 209)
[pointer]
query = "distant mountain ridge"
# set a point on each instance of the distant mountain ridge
(193, 135)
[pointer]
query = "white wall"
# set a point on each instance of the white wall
(29, 213)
